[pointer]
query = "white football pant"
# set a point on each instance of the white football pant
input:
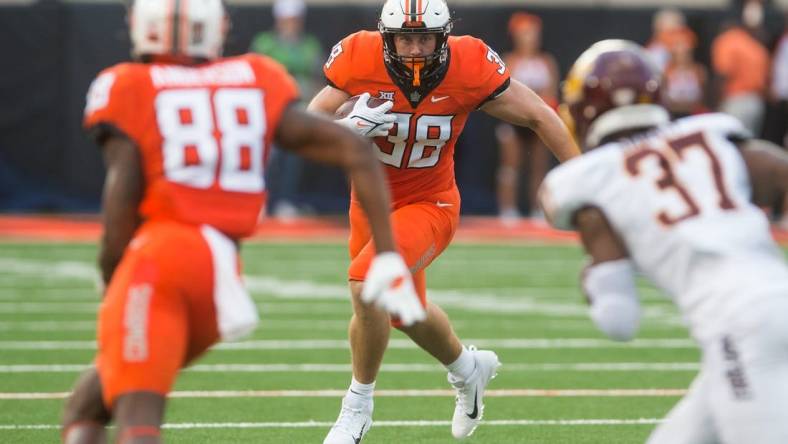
(741, 393)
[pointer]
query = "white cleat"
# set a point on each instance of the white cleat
(351, 425)
(470, 393)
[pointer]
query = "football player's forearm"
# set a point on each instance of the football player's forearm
(373, 194)
(549, 127)
(120, 222)
(320, 140)
(318, 106)
(767, 166)
(327, 100)
(370, 186)
(120, 200)
(354, 155)
(545, 122)
(519, 105)
(782, 181)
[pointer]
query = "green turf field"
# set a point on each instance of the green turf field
(557, 385)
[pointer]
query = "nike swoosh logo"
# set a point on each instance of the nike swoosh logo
(360, 434)
(435, 99)
(443, 204)
(475, 411)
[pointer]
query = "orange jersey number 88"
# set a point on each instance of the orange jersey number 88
(193, 148)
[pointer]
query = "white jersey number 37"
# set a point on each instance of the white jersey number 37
(668, 182)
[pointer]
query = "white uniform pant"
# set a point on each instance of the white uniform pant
(740, 395)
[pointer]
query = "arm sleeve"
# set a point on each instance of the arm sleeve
(338, 66)
(503, 87)
(110, 106)
(489, 72)
(615, 307)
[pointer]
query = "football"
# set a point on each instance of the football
(346, 107)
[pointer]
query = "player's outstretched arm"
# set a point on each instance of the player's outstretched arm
(767, 165)
(122, 194)
(608, 281)
(519, 105)
(319, 139)
(388, 283)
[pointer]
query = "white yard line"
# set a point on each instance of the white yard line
(510, 343)
(48, 307)
(428, 393)
(380, 423)
(37, 294)
(268, 324)
(341, 344)
(389, 368)
(49, 269)
(518, 301)
(47, 345)
(334, 325)
(48, 326)
(328, 325)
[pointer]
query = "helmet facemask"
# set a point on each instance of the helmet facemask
(416, 76)
(421, 70)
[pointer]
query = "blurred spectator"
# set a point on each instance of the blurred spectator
(777, 130)
(664, 23)
(752, 17)
(684, 79)
(538, 70)
(302, 55)
(742, 64)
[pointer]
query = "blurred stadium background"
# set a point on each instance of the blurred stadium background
(53, 49)
(512, 289)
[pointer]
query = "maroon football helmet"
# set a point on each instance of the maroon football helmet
(612, 87)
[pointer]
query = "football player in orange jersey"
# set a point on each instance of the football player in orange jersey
(434, 82)
(185, 135)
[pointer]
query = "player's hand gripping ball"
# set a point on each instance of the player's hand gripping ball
(367, 116)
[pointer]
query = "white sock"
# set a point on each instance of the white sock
(464, 366)
(359, 395)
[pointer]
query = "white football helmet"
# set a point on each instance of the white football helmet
(191, 28)
(416, 16)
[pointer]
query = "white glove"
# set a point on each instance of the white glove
(369, 122)
(389, 286)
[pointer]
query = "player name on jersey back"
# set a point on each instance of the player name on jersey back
(232, 72)
(203, 134)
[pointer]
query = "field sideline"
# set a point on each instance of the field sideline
(561, 382)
